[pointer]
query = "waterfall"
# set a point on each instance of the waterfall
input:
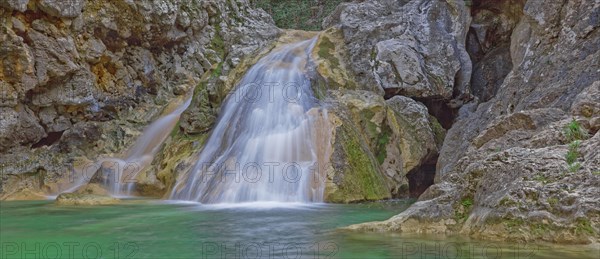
(265, 145)
(119, 174)
(142, 153)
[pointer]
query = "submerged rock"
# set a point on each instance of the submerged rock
(93, 188)
(25, 194)
(78, 199)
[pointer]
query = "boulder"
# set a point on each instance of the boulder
(389, 139)
(395, 140)
(76, 199)
(411, 48)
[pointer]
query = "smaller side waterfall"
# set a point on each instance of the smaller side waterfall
(265, 144)
(140, 156)
(119, 174)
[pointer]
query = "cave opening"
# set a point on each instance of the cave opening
(420, 178)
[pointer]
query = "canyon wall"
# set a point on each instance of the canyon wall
(520, 160)
(82, 78)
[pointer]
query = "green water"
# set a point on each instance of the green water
(155, 229)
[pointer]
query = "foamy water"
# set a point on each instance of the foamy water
(264, 147)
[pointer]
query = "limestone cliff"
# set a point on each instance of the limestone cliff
(520, 161)
(81, 78)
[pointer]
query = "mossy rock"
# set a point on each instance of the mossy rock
(330, 57)
(176, 157)
(357, 176)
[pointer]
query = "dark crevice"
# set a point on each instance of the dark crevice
(420, 178)
(488, 44)
(52, 138)
(441, 110)
(437, 107)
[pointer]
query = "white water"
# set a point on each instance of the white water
(120, 174)
(264, 145)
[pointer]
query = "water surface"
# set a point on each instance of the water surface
(158, 229)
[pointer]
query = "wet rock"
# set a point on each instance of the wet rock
(356, 174)
(76, 199)
(331, 60)
(92, 189)
(180, 89)
(200, 117)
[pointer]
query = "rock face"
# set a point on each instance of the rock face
(488, 44)
(523, 165)
(19, 5)
(378, 144)
(377, 49)
(81, 78)
(411, 48)
(61, 8)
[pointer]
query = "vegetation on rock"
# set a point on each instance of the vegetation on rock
(298, 14)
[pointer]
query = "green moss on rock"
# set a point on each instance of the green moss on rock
(326, 48)
(217, 43)
(382, 141)
(361, 178)
(438, 130)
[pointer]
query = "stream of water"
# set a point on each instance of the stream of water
(119, 174)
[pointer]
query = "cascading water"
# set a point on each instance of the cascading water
(264, 146)
(141, 154)
(119, 174)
